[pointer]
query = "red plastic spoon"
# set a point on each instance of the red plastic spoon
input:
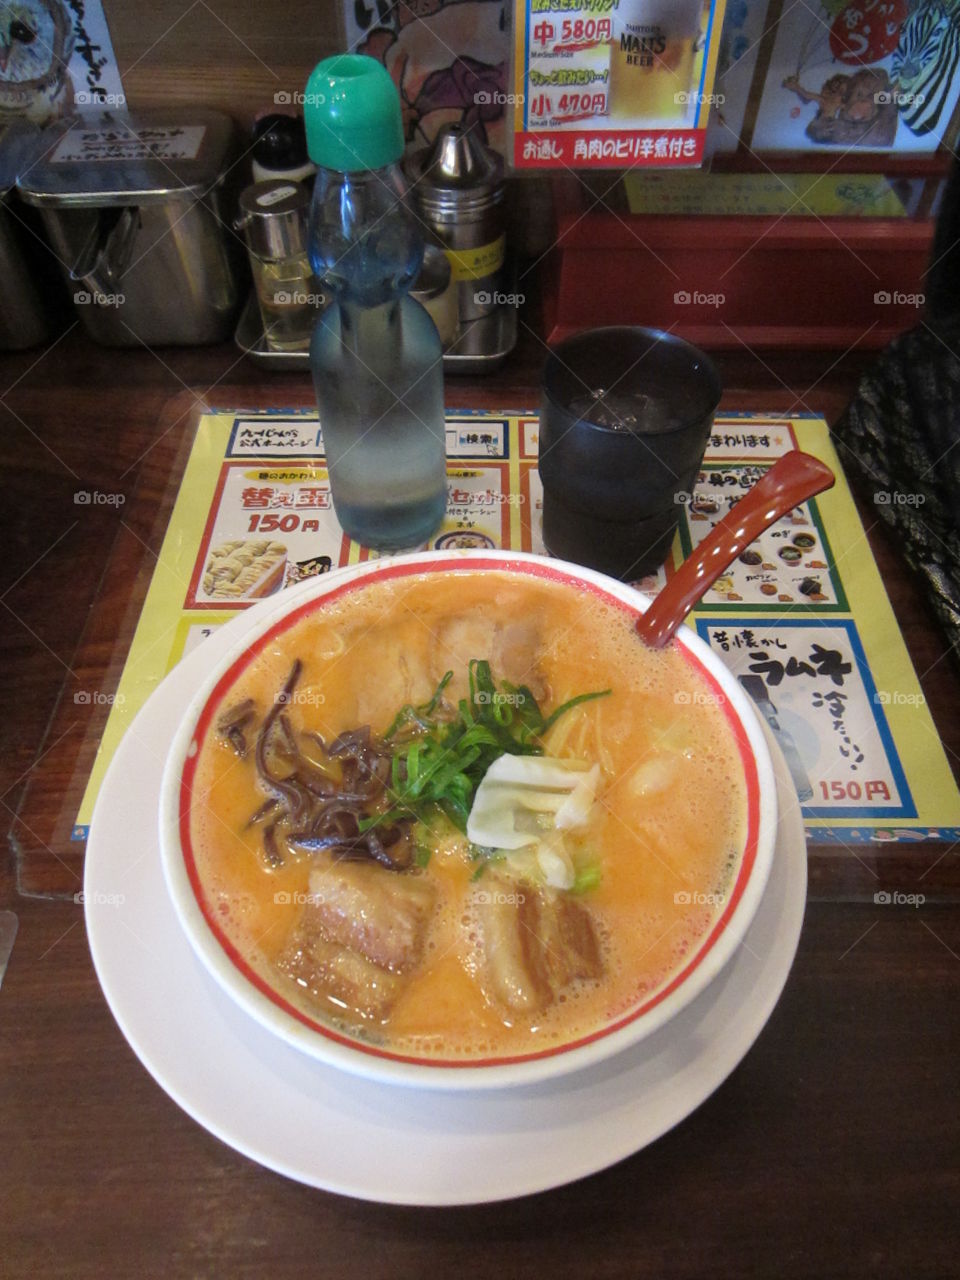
(796, 477)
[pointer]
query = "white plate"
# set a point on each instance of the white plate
(340, 1132)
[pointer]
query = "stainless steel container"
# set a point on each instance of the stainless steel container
(458, 187)
(135, 208)
(24, 320)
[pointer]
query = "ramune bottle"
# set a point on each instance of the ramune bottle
(375, 354)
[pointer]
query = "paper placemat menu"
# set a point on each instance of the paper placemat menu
(802, 617)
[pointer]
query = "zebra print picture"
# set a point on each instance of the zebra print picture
(925, 62)
(864, 75)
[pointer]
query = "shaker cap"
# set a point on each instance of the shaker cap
(273, 218)
(457, 176)
(279, 142)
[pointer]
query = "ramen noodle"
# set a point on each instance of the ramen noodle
(361, 903)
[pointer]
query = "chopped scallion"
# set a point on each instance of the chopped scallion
(440, 757)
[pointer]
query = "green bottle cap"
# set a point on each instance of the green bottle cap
(352, 113)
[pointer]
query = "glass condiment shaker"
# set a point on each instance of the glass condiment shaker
(273, 219)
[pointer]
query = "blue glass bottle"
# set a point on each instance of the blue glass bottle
(375, 353)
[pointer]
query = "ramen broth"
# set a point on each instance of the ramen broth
(664, 835)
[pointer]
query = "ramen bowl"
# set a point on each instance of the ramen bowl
(609, 1008)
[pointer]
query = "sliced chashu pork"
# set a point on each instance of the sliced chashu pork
(377, 912)
(512, 649)
(535, 942)
(360, 935)
(397, 666)
(328, 972)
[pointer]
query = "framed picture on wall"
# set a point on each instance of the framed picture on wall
(857, 76)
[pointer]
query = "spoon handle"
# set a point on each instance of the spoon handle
(796, 477)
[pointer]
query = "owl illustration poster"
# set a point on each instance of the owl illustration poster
(871, 75)
(56, 58)
(448, 59)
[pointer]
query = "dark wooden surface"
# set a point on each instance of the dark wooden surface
(833, 1150)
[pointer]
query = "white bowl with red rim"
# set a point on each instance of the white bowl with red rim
(331, 1045)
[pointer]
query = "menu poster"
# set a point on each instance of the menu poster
(811, 681)
(613, 83)
(801, 617)
(869, 75)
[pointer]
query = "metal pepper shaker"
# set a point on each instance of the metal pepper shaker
(458, 186)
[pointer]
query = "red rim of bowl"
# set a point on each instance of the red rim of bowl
(240, 663)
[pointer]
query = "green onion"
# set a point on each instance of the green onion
(587, 878)
(434, 702)
(503, 713)
(439, 759)
(552, 719)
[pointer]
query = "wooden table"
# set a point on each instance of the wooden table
(833, 1150)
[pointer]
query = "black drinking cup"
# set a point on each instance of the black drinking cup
(625, 416)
